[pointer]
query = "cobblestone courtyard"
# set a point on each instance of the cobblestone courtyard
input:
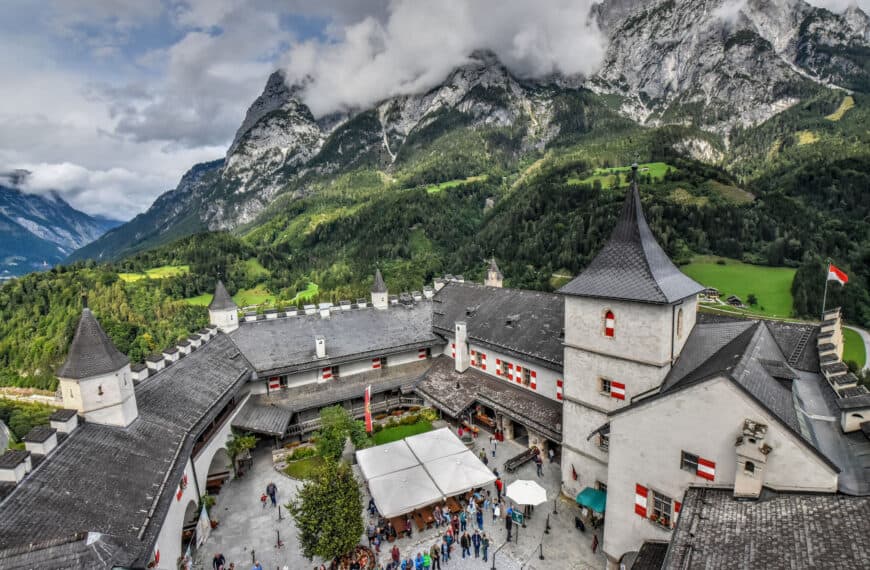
(246, 527)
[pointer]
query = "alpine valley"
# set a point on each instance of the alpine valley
(749, 120)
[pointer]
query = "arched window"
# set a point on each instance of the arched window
(750, 468)
(609, 323)
(680, 323)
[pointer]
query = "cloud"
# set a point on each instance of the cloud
(419, 43)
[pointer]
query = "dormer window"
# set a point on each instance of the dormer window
(609, 324)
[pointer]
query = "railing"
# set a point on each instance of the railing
(215, 426)
(359, 411)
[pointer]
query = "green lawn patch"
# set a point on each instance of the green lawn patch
(308, 294)
(608, 176)
(848, 103)
(730, 193)
(401, 432)
(304, 468)
(200, 300)
(435, 188)
(853, 348)
(255, 269)
(255, 296)
(156, 273)
(771, 285)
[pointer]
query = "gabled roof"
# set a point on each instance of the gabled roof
(379, 286)
(222, 300)
(632, 266)
(91, 352)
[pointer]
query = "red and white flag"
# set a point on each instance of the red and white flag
(368, 409)
(836, 274)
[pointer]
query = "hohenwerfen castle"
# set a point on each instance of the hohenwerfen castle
(720, 442)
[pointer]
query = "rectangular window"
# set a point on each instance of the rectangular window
(604, 441)
(283, 381)
(335, 372)
(504, 369)
(689, 462)
(527, 377)
(601, 486)
(383, 362)
(604, 386)
(662, 508)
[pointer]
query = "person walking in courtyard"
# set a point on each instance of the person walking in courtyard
(257, 566)
(475, 541)
(493, 443)
(480, 519)
(498, 486)
(465, 543)
(484, 543)
(508, 524)
(539, 463)
(552, 454)
(496, 511)
(456, 525)
(435, 555)
(395, 555)
(272, 491)
(218, 562)
(462, 521)
(445, 548)
(594, 543)
(436, 514)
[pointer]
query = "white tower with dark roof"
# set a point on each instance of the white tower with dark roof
(96, 379)
(627, 317)
(223, 311)
(494, 277)
(380, 296)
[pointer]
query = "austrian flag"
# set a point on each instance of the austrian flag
(836, 274)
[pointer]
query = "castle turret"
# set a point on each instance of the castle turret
(380, 297)
(494, 277)
(223, 311)
(96, 378)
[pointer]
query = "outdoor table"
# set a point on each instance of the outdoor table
(453, 505)
(399, 524)
(428, 517)
(421, 522)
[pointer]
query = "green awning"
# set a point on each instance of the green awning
(593, 499)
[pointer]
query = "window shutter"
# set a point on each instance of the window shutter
(640, 499)
(558, 389)
(609, 324)
(617, 390)
(706, 469)
(376, 362)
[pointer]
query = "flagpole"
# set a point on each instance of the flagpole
(825, 296)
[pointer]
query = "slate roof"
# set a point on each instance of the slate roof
(82, 551)
(262, 418)
(632, 266)
(62, 415)
(455, 392)
(536, 320)
(780, 530)
(651, 556)
(39, 434)
(107, 479)
(221, 300)
(282, 346)
(379, 286)
(12, 457)
(91, 352)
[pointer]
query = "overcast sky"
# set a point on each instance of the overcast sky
(111, 101)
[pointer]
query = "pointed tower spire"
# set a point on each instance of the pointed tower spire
(91, 352)
(380, 296)
(223, 311)
(632, 266)
(379, 286)
(222, 300)
(494, 277)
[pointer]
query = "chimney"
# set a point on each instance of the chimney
(461, 339)
(171, 354)
(66, 420)
(155, 362)
(41, 440)
(320, 346)
(14, 465)
(752, 455)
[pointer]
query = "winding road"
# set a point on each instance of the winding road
(865, 336)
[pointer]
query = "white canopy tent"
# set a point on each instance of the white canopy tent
(459, 473)
(403, 491)
(420, 470)
(435, 444)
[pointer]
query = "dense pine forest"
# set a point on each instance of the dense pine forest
(789, 192)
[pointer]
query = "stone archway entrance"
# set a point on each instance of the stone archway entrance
(188, 527)
(219, 471)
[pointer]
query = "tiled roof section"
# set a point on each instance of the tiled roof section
(280, 346)
(455, 392)
(518, 322)
(703, 343)
(632, 266)
(91, 352)
(780, 530)
(651, 556)
(39, 434)
(107, 479)
(62, 415)
(379, 286)
(262, 418)
(12, 458)
(82, 551)
(138, 367)
(222, 300)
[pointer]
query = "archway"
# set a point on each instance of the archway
(188, 527)
(218, 471)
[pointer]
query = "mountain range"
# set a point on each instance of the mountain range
(40, 230)
(713, 67)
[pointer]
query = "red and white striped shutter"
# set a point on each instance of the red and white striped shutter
(617, 390)
(483, 361)
(558, 389)
(640, 499)
(677, 506)
(421, 354)
(376, 362)
(609, 324)
(453, 348)
(510, 368)
(274, 383)
(498, 367)
(706, 469)
(473, 358)
(326, 373)
(534, 384)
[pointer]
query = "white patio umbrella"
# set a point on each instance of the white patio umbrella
(524, 492)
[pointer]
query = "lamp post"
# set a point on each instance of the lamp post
(496, 552)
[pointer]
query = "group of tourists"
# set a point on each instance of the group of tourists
(441, 551)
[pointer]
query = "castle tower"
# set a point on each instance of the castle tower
(96, 379)
(380, 297)
(494, 277)
(627, 317)
(223, 311)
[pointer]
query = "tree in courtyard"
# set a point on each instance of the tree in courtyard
(336, 425)
(328, 512)
(237, 444)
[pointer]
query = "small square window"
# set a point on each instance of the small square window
(604, 386)
(689, 462)
(662, 508)
(527, 377)
(604, 441)
(504, 368)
